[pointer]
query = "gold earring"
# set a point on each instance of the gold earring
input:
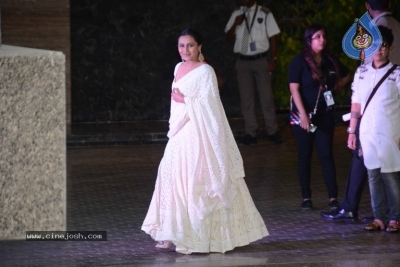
(201, 57)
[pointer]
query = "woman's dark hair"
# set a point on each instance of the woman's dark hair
(308, 54)
(197, 37)
(194, 33)
(386, 34)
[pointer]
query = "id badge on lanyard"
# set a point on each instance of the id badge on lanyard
(253, 46)
(328, 97)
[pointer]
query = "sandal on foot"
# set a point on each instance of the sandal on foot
(393, 227)
(164, 245)
(374, 226)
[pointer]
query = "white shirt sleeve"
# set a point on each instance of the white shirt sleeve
(355, 96)
(272, 26)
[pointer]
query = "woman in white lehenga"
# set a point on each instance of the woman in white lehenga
(200, 202)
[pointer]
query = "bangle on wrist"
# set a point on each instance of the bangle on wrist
(351, 130)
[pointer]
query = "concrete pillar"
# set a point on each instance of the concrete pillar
(32, 141)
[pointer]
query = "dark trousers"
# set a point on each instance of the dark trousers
(323, 138)
(356, 180)
(253, 75)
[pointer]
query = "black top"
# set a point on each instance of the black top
(300, 73)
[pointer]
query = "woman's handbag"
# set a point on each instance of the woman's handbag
(295, 117)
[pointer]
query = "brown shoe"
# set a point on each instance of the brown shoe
(376, 225)
(393, 227)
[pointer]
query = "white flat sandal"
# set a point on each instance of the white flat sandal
(164, 245)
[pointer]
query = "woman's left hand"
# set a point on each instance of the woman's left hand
(177, 96)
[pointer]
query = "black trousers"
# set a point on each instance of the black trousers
(356, 179)
(323, 138)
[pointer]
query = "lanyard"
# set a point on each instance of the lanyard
(252, 22)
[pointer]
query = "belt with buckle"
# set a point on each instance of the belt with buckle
(253, 57)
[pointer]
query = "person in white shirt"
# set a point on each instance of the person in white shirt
(357, 177)
(379, 133)
(255, 30)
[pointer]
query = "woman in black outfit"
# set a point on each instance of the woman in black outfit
(313, 76)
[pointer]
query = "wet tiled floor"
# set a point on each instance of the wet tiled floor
(109, 188)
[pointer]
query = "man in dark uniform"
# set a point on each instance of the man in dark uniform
(255, 30)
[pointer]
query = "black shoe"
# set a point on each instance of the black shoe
(248, 140)
(369, 219)
(275, 138)
(341, 216)
(334, 206)
(306, 205)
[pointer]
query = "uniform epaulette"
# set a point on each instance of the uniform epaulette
(265, 10)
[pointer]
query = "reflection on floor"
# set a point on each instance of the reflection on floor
(109, 188)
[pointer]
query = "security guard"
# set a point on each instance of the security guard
(256, 32)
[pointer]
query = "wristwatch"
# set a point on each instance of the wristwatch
(351, 130)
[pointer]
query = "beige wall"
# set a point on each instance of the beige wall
(43, 24)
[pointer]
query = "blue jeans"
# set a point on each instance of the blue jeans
(385, 195)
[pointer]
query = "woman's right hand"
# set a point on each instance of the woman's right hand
(352, 141)
(177, 96)
(305, 122)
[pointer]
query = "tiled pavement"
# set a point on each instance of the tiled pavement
(109, 188)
